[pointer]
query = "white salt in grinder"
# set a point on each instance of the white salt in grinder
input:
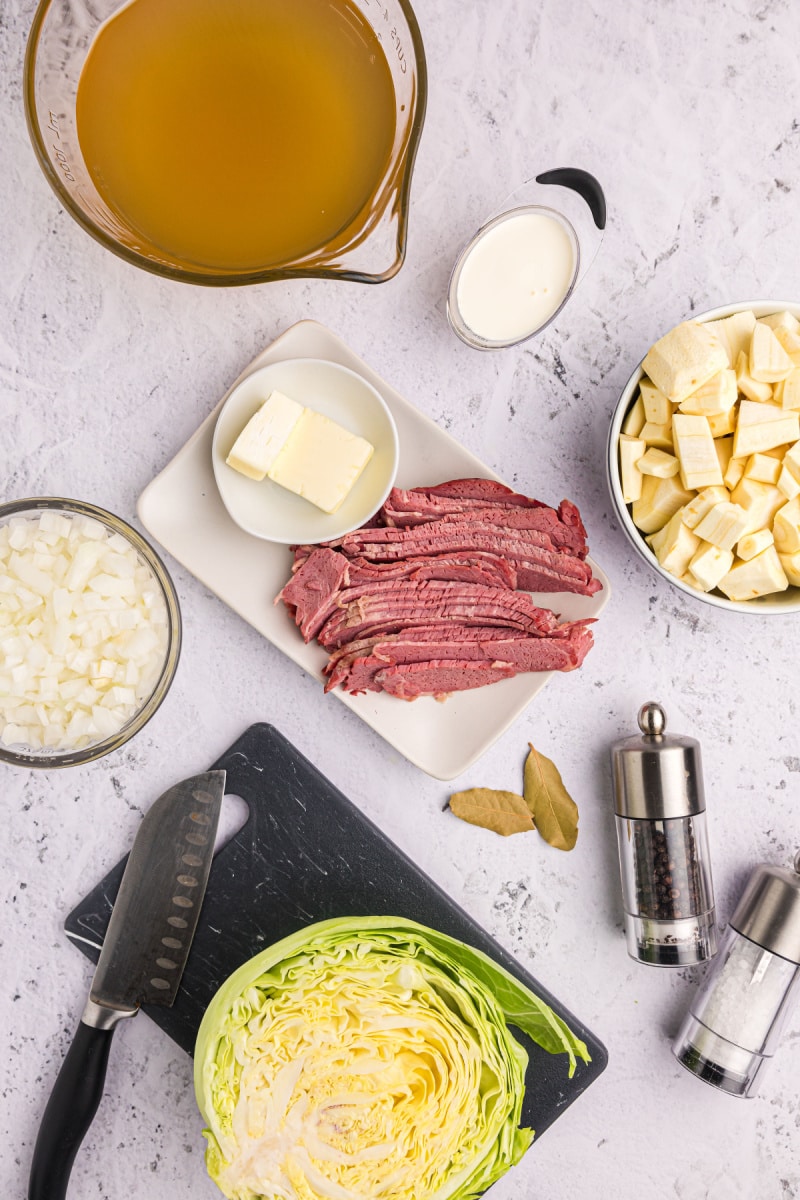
(663, 845)
(736, 1018)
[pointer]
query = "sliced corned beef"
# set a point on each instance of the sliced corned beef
(410, 507)
(424, 591)
(431, 596)
(313, 593)
(356, 672)
(444, 631)
(566, 574)
(458, 525)
(478, 489)
(428, 593)
(337, 631)
(565, 532)
(386, 610)
(569, 514)
(301, 553)
(309, 594)
(538, 565)
(492, 570)
(448, 632)
(440, 679)
(563, 526)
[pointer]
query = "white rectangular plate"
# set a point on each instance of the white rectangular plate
(182, 509)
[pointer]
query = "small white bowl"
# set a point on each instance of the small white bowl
(269, 511)
(776, 604)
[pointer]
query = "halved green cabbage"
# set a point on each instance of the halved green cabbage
(366, 1058)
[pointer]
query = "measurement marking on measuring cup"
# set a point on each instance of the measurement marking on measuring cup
(398, 49)
(394, 38)
(60, 156)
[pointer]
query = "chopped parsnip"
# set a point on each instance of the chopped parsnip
(723, 471)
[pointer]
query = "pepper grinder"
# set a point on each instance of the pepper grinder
(736, 1018)
(663, 845)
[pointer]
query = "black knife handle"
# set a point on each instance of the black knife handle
(73, 1102)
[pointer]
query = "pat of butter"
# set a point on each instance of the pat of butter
(264, 436)
(321, 461)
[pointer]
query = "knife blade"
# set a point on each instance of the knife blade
(144, 953)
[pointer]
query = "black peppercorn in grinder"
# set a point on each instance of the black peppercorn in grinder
(663, 845)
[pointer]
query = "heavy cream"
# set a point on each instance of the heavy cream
(515, 276)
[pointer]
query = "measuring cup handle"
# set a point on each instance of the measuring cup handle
(585, 185)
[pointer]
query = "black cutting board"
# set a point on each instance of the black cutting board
(305, 854)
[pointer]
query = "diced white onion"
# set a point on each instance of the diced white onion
(83, 632)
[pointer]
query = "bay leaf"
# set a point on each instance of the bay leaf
(554, 811)
(502, 812)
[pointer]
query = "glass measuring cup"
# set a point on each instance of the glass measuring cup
(369, 249)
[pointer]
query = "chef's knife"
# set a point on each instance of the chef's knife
(144, 952)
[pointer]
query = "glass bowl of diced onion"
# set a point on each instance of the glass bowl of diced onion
(784, 600)
(90, 632)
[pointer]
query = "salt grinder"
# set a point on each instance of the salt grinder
(663, 845)
(736, 1018)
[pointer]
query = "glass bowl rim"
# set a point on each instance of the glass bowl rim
(71, 758)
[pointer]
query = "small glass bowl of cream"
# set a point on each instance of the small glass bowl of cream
(90, 632)
(513, 278)
(521, 267)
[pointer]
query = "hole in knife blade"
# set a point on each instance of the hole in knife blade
(171, 943)
(183, 901)
(196, 839)
(187, 880)
(166, 963)
(177, 923)
(203, 797)
(192, 860)
(159, 983)
(233, 816)
(200, 818)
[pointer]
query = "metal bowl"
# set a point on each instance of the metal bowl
(23, 756)
(776, 604)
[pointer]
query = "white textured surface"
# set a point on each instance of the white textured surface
(688, 114)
